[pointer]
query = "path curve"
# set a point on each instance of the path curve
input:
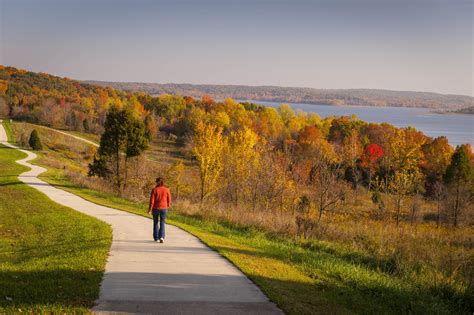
(181, 276)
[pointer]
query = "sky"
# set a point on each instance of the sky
(415, 45)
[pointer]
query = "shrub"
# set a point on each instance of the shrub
(35, 141)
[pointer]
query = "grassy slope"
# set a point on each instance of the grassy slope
(51, 257)
(307, 278)
(8, 129)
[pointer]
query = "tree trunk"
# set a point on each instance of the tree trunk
(125, 180)
(456, 205)
(117, 170)
(202, 189)
(321, 208)
(254, 198)
(370, 178)
(439, 213)
(398, 204)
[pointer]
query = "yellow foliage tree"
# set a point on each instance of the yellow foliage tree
(176, 174)
(241, 159)
(3, 87)
(209, 148)
(221, 119)
(401, 184)
(405, 148)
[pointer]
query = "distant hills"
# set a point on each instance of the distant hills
(365, 97)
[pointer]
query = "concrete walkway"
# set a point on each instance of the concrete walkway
(181, 276)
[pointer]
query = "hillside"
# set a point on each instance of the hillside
(366, 97)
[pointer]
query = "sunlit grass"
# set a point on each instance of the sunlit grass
(51, 257)
(8, 129)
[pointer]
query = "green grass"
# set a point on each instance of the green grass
(51, 257)
(301, 277)
(8, 129)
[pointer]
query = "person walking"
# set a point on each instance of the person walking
(160, 200)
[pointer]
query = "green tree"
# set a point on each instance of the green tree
(458, 178)
(124, 137)
(35, 141)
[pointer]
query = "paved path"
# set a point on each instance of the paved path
(181, 276)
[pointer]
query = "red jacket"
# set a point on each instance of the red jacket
(160, 198)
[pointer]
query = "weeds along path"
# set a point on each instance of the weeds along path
(180, 276)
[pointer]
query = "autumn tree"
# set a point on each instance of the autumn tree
(269, 123)
(458, 178)
(436, 158)
(208, 102)
(4, 109)
(305, 223)
(171, 107)
(286, 113)
(209, 147)
(329, 190)
(405, 149)
(176, 175)
(221, 119)
(51, 114)
(340, 128)
(124, 137)
(242, 158)
(271, 182)
(372, 154)
(311, 141)
(382, 135)
(399, 186)
(438, 190)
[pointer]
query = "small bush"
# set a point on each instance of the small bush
(35, 141)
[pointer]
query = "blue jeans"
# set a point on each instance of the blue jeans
(159, 225)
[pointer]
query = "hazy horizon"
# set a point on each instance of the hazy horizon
(264, 85)
(419, 46)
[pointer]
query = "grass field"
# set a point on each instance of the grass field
(51, 257)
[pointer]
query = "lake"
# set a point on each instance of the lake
(458, 128)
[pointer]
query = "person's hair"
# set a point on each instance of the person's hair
(159, 181)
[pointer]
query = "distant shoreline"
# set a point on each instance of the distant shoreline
(462, 111)
(310, 96)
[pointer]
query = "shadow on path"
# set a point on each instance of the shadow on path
(165, 294)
